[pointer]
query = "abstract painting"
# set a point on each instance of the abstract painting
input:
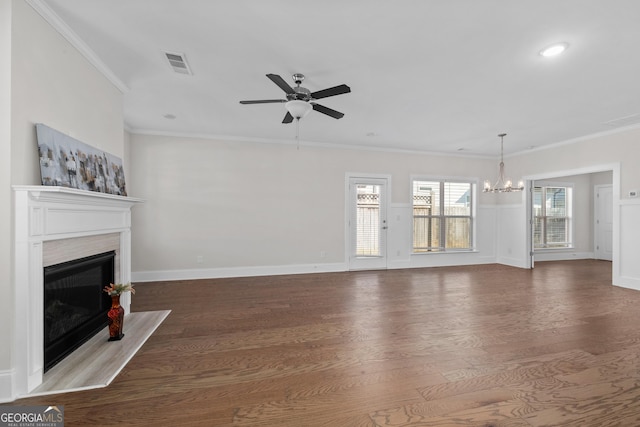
(67, 162)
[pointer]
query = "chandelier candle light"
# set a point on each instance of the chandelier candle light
(502, 185)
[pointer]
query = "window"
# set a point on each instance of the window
(368, 220)
(552, 217)
(442, 216)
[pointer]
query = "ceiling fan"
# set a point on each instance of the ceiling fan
(300, 100)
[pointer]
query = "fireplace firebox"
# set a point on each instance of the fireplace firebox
(75, 306)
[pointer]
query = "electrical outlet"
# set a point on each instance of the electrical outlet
(199, 259)
(323, 254)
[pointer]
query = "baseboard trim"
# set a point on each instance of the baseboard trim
(219, 273)
(562, 256)
(627, 282)
(512, 262)
(6, 386)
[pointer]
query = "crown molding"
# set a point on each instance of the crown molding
(301, 143)
(61, 27)
(583, 138)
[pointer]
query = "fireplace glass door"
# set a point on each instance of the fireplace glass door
(75, 306)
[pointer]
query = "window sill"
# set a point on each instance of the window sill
(549, 250)
(449, 252)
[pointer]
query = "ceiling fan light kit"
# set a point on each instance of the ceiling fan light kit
(298, 109)
(300, 100)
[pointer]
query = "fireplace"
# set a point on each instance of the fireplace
(75, 305)
(54, 225)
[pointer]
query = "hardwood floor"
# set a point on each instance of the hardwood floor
(462, 346)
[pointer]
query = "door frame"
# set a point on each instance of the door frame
(615, 169)
(347, 212)
(528, 187)
(596, 210)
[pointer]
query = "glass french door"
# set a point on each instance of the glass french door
(367, 223)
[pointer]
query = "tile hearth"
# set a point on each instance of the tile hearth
(97, 362)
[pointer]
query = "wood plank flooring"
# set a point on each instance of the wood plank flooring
(456, 346)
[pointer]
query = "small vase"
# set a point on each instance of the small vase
(116, 319)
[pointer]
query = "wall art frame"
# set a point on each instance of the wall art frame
(67, 162)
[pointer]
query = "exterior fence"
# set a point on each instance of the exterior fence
(426, 228)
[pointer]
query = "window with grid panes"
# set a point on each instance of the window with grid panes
(367, 220)
(552, 217)
(442, 215)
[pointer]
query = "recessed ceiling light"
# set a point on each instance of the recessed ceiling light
(554, 49)
(169, 116)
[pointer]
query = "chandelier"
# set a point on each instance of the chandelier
(502, 185)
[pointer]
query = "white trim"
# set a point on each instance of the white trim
(578, 171)
(528, 209)
(217, 137)
(230, 138)
(44, 213)
(7, 381)
(543, 184)
(596, 209)
(512, 262)
(562, 255)
(61, 27)
(225, 272)
(475, 182)
(578, 140)
(347, 212)
(617, 202)
(625, 202)
(445, 178)
(629, 282)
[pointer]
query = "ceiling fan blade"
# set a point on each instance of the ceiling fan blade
(288, 118)
(328, 111)
(332, 91)
(281, 83)
(264, 101)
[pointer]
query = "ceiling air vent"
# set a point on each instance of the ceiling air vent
(178, 62)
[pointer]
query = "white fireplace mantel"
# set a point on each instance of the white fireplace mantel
(42, 214)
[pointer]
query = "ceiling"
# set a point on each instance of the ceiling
(428, 75)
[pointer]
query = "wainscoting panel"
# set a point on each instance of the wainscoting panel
(629, 267)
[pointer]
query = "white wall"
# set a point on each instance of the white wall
(256, 208)
(628, 270)
(50, 83)
(601, 178)
(6, 226)
(618, 152)
(622, 147)
(55, 85)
